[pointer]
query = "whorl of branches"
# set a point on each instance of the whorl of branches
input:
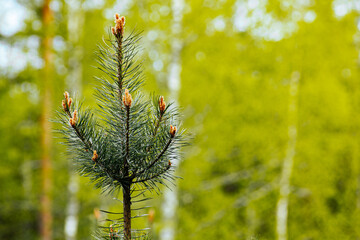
(128, 142)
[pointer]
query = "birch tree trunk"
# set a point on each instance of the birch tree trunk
(283, 202)
(174, 80)
(73, 82)
(46, 136)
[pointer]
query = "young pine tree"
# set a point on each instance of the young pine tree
(131, 147)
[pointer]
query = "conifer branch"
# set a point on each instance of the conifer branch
(159, 156)
(157, 125)
(88, 145)
(154, 176)
(162, 108)
(120, 61)
(118, 32)
(126, 162)
(66, 106)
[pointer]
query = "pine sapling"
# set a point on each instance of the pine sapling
(131, 146)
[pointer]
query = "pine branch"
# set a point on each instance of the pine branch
(87, 144)
(126, 162)
(156, 159)
(120, 62)
(154, 176)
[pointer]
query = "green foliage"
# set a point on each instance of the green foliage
(235, 92)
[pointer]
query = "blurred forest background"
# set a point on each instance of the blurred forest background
(269, 88)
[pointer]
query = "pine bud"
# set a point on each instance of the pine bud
(119, 25)
(64, 105)
(75, 116)
(172, 131)
(169, 163)
(127, 100)
(162, 105)
(95, 156)
(123, 20)
(66, 95)
(72, 122)
(69, 102)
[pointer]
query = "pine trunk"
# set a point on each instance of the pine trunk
(127, 212)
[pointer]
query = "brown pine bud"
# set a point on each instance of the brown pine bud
(172, 131)
(75, 116)
(123, 20)
(119, 25)
(169, 163)
(113, 31)
(127, 100)
(69, 102)
(72, 122)
(64, 105)
(95, 156)
(66, 95)
(162, 105)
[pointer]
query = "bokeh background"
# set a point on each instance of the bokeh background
(270, 90)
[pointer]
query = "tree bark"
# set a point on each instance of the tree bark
(127, 211)
(46, 216)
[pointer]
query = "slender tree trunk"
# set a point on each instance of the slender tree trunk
(73, 83)
(46, 217)
(72, 208)
(283, 202)
(127, 212)
(174, 81)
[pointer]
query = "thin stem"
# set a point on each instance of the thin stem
(126, 162)
(119, 55)
(157, 158)
(152, 177)
(157, 125)
(88, 145)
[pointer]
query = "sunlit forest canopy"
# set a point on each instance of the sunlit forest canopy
(269, 90)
